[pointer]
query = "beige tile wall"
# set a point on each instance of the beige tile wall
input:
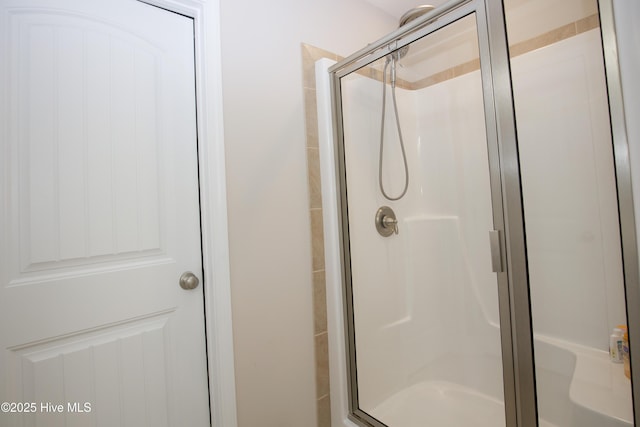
(310, 55)
(546, 39)
(554, 36)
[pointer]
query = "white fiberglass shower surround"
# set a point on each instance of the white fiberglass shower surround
(486, 294)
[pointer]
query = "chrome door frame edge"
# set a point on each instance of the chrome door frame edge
(626, 209)
(520, 339)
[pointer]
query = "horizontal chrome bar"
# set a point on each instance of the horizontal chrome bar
(401, 32)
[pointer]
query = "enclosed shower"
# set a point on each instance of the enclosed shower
(476, 223)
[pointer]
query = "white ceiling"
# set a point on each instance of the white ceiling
(397, 8)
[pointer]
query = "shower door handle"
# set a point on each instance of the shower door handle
(496, 251)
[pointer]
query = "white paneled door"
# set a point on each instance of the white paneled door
(99, 217)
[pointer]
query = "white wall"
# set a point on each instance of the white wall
(267, 193)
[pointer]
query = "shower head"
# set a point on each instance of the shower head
(415, 13)
(409, 16)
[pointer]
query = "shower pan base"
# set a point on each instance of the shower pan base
(579, 387)
(442, 403)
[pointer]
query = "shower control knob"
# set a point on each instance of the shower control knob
(188, 281)
(386, 222)
(390, 223)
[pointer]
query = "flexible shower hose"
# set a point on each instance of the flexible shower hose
(391, 59)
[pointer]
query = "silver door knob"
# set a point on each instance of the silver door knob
(188, 281)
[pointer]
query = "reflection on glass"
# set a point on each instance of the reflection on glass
(570, 210)
(425, 302)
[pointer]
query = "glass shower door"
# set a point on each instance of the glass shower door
(572, 214)
(423, 285)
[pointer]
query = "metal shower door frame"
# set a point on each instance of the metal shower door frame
(626, 210)
(513, 284)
